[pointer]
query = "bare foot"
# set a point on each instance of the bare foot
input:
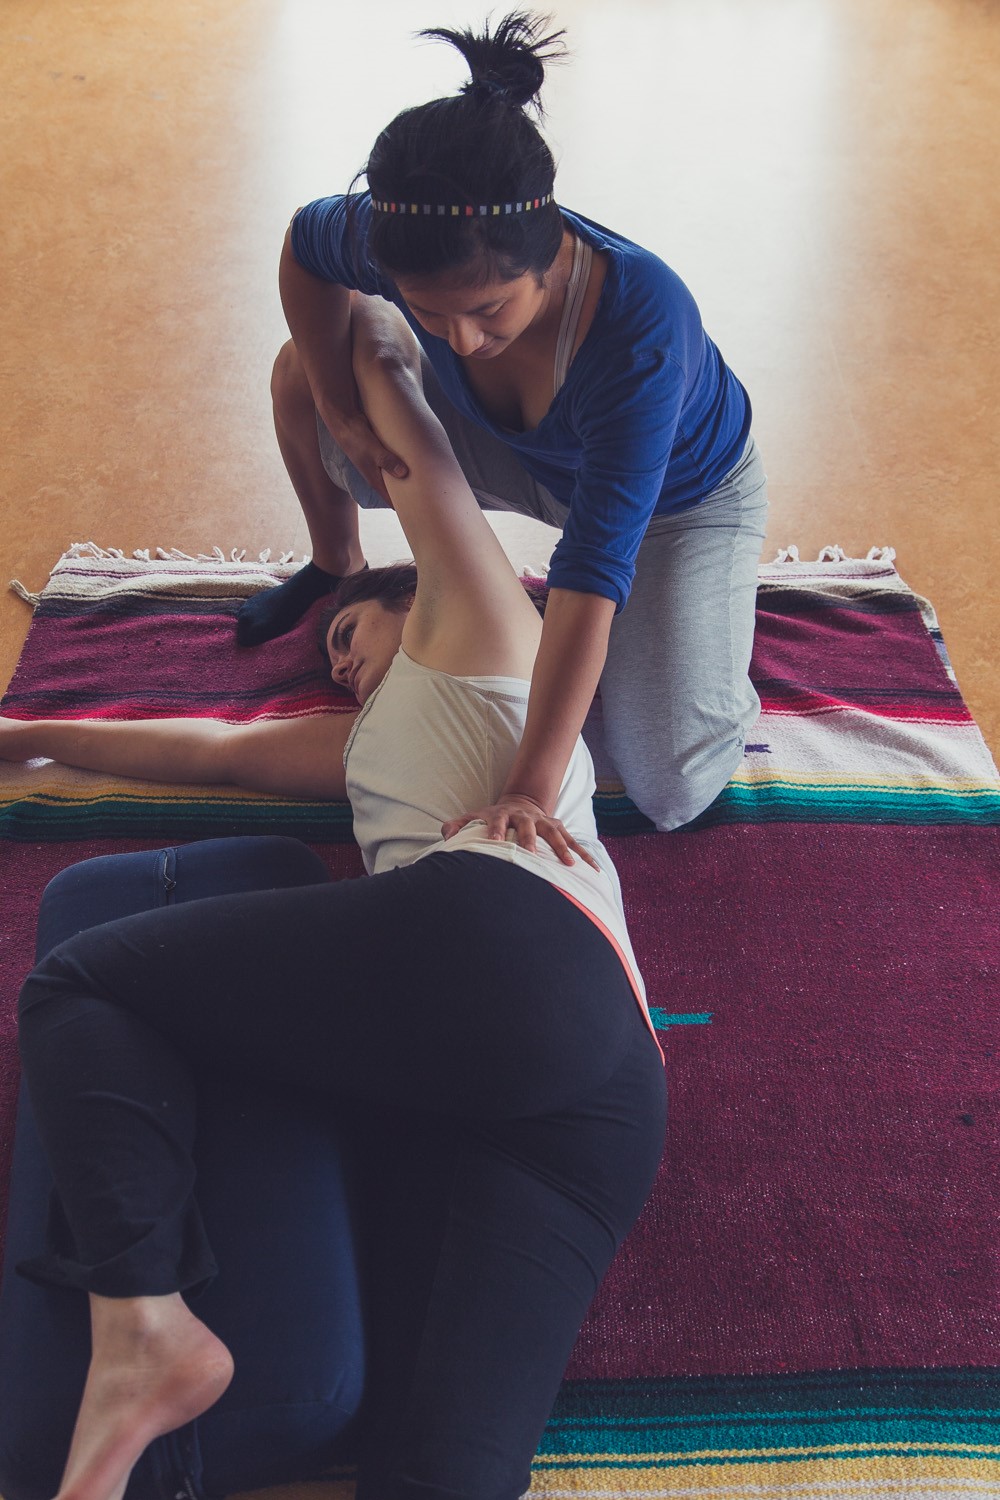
(154, 1367)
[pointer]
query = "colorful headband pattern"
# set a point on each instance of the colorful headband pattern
(462, 210)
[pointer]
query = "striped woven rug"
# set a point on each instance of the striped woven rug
(810, 1303)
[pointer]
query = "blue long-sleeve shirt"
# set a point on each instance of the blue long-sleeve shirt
(649, 419)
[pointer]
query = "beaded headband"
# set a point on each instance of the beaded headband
(462, 210)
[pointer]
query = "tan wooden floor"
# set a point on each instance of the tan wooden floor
(824, 174)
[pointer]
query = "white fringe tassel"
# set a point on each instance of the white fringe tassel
(829, 554)
(174, 554)
(18, 588)
(832, 553)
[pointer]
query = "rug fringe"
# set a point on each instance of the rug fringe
(18, 588)
(832, 553)
(174, 554)
(835, 554)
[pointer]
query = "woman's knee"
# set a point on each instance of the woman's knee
(217, 867)
(95, 891)
(673, 792)
(288, 861)
(291, 393)
(64, 889)
(72, 882)
(110, 886)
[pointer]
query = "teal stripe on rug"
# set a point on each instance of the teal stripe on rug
(113, 818)
(861, 1413)
(891, 1433)
(51, 819)
(787, 803)
(965, 1453)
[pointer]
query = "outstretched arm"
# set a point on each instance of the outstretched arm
(471, 614)
(288, 757)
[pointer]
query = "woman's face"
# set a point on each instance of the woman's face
(478, 322)
(362, 640)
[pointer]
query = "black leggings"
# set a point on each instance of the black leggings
(485, 1029)
(276, 1187)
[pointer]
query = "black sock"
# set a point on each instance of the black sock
(276, 611)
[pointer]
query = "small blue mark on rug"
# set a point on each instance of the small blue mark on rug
(661, 1019)
(756, 749)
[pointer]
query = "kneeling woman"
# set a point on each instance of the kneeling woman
(484, 989)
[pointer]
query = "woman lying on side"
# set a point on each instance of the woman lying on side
(483, 986)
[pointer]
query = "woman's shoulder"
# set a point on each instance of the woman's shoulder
(330, 239)
(645, 314)
(633, 265)
(642, 295)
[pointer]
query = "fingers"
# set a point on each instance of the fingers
(562, 843)
(384, 463)
(527, 828)
(393, 465)
(449, 829)
(578, 849)
(497, 825)
(368, 453)
(559, 842)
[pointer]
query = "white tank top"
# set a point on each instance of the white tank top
(427, 747)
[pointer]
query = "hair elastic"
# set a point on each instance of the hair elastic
(462, 210)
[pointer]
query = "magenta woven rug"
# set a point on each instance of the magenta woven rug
(810, 1303)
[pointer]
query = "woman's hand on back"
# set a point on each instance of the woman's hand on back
(528, 822)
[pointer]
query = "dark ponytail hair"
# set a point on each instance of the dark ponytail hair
(476, 147)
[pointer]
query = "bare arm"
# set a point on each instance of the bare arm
(288, 757)
(568, 668)
(318, 314)
(471, 614)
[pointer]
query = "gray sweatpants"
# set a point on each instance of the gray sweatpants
(675, 702)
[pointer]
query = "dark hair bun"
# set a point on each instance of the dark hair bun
(510, 63)
(476, 147)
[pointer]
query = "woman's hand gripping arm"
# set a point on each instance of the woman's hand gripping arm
(318, 314)
(288, 757)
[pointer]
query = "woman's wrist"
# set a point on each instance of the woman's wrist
(524, 801)
(19, 739)
(338, 415)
